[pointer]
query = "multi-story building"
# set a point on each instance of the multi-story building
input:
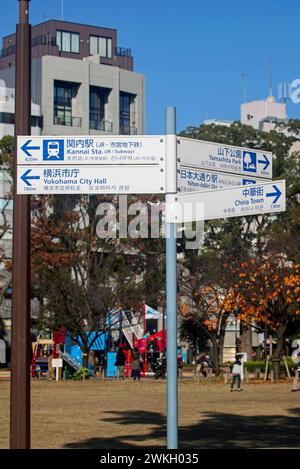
(223, 122)
(7, 113)
(82, 80)
(263, 114)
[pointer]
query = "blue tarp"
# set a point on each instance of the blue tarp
(74, 350)
(112, 370)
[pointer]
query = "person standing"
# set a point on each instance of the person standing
(179, 365)
(136, 368)
(237, 372)
(51, 370)
(296, 361)
(120, 363)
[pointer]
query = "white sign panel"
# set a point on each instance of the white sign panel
(57, 362)
(195, 179)
(90, 180)
(224, 203)
(224, 158)
(74, 150)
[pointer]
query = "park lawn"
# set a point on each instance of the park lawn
(111, 414)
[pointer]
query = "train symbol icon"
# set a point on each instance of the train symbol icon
(53, 150)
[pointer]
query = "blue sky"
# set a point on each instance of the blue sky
(192, 52)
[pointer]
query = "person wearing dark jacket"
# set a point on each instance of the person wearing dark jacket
(136, 368)
(120, 363)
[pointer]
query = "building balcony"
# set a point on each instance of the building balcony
(51, 41)
(103, 125)
(123, 52)
(128, 130)
(7, 51)
(36, 41)
(68, 121)
(43, 40)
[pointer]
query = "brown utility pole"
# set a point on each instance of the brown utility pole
(20, 376)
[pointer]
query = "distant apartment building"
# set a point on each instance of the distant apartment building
(223, 122)
(82, 80)
(263, 114)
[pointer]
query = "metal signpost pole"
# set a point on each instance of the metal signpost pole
(20, 376)
(171, 284)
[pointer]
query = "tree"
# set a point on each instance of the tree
(206, 302)
(268, 293)
(78, 277)
(6, 158)
(234, 241)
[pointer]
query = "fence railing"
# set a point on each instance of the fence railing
(128, 130)
(36, 41)
(68, 121)
(123, 52)
(105, 126)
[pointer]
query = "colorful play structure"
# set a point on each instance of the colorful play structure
(133, 332)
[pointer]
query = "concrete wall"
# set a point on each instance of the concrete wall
(88, 73)
(7, 105)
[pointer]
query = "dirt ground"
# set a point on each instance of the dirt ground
(101, 414)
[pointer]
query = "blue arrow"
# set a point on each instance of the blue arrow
(25, 178)
(265, 161)
(276, 194)
(26, 147)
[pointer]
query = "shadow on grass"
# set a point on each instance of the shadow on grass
(215, 430)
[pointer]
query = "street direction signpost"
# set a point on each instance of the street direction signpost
(224, 158)
(215, 181)
(83, 150)
(195, 179)
(224, 203)
(91, 165)
(91, 179)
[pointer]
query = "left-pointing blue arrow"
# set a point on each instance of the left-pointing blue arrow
(276, 194)
(265, 162)
(26, 178)
(26, 147)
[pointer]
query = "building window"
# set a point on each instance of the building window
(36, 121)
(67, 42)
(98, 102)
(64, 92)
(9, 118)
(127, 114)
(101, 46)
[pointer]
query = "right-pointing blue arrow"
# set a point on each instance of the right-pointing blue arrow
(276, 194)
(265, 161)
(26, 178)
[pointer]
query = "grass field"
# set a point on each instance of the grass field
(98, 414)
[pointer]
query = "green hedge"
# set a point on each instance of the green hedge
(252, 365)
(82, 373)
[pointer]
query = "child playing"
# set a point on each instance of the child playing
(237, 371)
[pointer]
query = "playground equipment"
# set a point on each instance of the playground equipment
(151, 348)
(41, 351)
(125, 328)
(131, 326)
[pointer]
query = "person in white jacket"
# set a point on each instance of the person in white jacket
(237, 371)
